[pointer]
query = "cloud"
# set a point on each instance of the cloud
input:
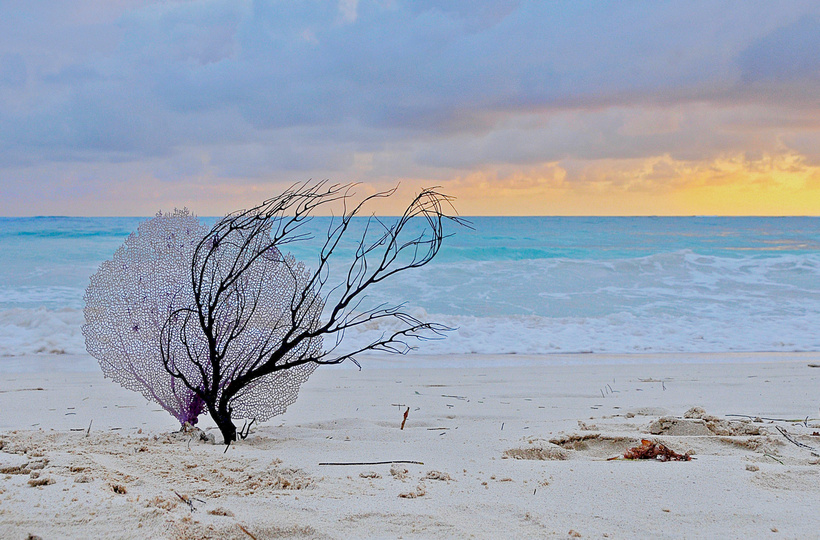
(788, 53)
(12, 70)
(245, 91)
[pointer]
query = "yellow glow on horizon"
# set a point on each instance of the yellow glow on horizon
(769, 185)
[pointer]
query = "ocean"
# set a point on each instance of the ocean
(510, 285)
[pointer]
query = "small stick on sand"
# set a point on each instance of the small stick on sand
(88, 431)
(790, 420)
(372, 463)
(405, 418)
(188, 500)
(244, 530)
(814, 451)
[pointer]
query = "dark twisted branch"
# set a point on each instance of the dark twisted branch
(234, 339)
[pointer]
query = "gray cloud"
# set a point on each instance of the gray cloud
(789, 53)
(13, 71)
(266, 88)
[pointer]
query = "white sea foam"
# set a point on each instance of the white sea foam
(41, 331)
(707, 297)
(620, 333)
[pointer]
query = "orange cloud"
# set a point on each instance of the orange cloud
(733, 185)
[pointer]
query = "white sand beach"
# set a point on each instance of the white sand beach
(504, 452)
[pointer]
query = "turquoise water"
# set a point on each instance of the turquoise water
(510, 285)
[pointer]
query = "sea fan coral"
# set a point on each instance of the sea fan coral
(143, 328)
(128, 302)
(222, 319)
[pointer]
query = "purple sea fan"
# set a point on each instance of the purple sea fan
(129, 300)
(256, 299)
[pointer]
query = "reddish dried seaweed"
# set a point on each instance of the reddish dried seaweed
(654, 450)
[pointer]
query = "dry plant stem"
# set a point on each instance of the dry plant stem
(246, 531)
(814, 451)
(405, 418)
(790, 420)
(373, 463)
(774, 458)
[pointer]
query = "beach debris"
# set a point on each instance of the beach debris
(22, 390)
(36, 482)
(653, 450)
(221, 512)
(25, 468)
(438, 475)
(246, 531)
(370, 474)
(583, 426)
(814, 451)
(420, 491)
(119, 489)
(760, 419)
(188, 500)
(399, 473)
(405, 418)
(372, 462)
(16, 469)
(161, 502)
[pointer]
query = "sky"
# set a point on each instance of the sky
(127, 107)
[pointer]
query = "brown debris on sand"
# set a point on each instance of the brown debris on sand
(419, 492)
(654, 450)
(438, 475)
(221, 512)
(37, 482)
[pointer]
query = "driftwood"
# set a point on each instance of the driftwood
(373, 463)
